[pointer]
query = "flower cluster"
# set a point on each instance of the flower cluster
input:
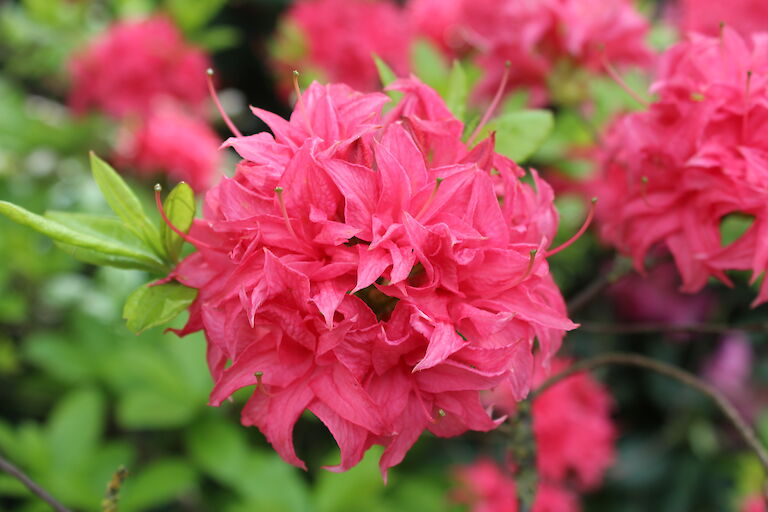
(144, 74)
(337, 39)
(135, 65)
(574, 446)
(671, 174)
(745, 16)
(373, 269)
(546, 34)
(172, 141)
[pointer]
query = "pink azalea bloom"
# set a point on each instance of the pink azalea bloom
(672, 173)
(133, 65)
(546, 33)
(754, 504)
(485, 487)
(575, 436)
(745, 16)
(342, 35)
(171, 142)
(366, 268)
(439, 22)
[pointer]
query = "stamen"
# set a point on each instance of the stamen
(617, 78)
(279, 192)
(644, 189)
(441, 413)
(529, 270)
(215, 97)
(493, 105)
(184, 236)
(578, 234)
(747, 101)
(431, 198)
(300, 101)
(260, 384)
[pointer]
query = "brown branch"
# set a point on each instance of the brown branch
(647, 328)
(746, 431)
(38, 491)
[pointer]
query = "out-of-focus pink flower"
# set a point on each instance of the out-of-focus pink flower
(485, 487)
(341, 37)
(672, 173)
(754, 504)
(729, 370)
(440, 22)
(706, 16)
(545, 33)
(374, 271)
(575, 436)
(169, 141)
(136, 64)
(655, 297)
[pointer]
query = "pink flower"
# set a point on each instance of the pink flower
(134, 65)
(572, 425)
(705, 16)
(754, 504)
(365, 268)
(485, 487)
(729, 369)
(171, 142)
(341, 36)
(546, 34)
(672, 173)
(440, 22)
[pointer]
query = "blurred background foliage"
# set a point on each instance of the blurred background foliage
(81, 396)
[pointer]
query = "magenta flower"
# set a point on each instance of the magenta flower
(171, 142)
(745, 16)
(575, 436)
(754, 504)
(374, 270)
(134, 65)
(485, 487)
(546, 34)
(671, 174)
(339, 38)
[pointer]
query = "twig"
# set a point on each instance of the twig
(645, 328)
(746, 431)
(38, 491)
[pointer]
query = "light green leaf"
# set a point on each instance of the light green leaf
(386, 75)
(520, 133)
(150, 306)
(456, 95)
(153, 409)
(74, 429)
(159, 483)
(124, 203)
(180, 208)
(68, 236)
(193, 14)
(429, 65)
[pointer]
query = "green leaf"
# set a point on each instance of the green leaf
(456, 95)
(193, 14)
(75, 428)
(68, 236)
(153, 409)
(429, 65)
(180, 208)
(150, 306)
(111, 229)
(733, 226)
(159, 483)
(124, 203)
(386, 75)
(520, 133)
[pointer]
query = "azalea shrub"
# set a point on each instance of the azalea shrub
(365, 254)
